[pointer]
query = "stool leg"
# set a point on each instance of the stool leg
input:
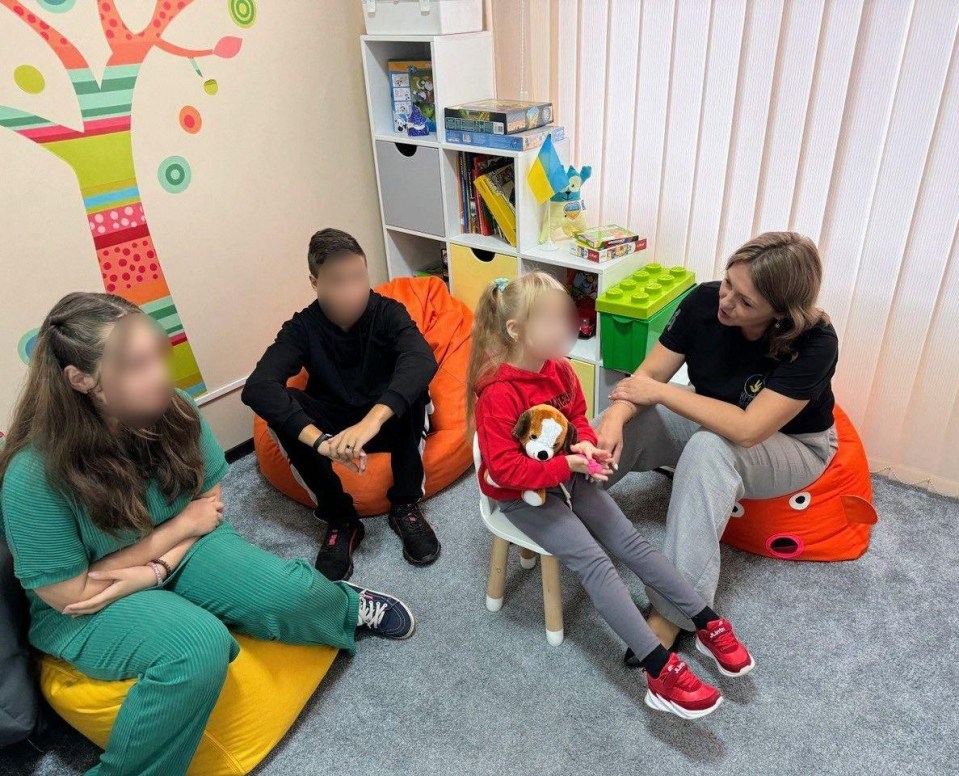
(552, 599)
(497, 574)
(527, 558)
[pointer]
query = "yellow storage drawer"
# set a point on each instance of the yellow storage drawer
(473, 269)
(586, 372)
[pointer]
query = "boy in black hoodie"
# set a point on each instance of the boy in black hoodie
(369, 370)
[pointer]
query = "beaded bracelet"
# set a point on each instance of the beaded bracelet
(163, 563)
(156, 570)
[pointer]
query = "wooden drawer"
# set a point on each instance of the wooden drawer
(586, 372)
(472, 270)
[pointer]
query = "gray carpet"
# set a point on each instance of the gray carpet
(857, 662)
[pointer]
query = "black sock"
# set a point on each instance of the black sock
(655, 661)
(705, 617)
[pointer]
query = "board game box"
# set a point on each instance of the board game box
(411, 88)
(498, 117)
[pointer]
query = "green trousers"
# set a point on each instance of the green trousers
(176, 643)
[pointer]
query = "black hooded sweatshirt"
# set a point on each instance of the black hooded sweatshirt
(381, 359)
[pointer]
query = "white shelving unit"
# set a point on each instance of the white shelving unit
(418, 184)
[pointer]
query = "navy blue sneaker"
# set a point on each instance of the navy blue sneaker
(383, 615)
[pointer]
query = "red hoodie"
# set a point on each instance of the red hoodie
(501, 399)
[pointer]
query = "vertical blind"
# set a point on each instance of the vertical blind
(709, 122)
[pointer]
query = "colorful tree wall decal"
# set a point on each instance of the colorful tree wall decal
(101, 152)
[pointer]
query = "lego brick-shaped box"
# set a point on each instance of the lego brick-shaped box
(635, 311)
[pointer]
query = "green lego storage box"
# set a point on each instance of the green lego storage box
(634, 312)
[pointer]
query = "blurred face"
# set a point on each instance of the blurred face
(135, 383)
(740, 304)
(342, 286)
(550, 330)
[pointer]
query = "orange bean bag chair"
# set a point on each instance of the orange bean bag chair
(447, 324)
(829, 520)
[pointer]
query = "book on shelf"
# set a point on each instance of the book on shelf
(498, 192)
(521, 141)
(498, 117)
(475, 215)
(599, 237)
(599, 255)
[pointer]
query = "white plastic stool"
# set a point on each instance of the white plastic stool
(505, 534)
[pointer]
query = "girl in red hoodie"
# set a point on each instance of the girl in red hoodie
(523, 330)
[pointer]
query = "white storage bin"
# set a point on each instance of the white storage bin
(422, 17)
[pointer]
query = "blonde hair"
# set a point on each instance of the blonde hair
(492, 344)
(786, 270)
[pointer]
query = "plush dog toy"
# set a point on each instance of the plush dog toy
(543, 432)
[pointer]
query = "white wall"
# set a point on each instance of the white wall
(712, 121)
(284, 150)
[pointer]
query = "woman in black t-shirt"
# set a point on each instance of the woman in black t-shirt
(760, 356)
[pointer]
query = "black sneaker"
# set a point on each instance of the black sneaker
(383, 615)
(335, 559)
(420, 545)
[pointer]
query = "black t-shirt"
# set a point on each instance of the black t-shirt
(723, 364)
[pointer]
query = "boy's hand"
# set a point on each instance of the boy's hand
(347, 446)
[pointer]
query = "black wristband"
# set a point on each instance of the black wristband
(320, 440)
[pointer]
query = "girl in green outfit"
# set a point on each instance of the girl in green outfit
(111, 504)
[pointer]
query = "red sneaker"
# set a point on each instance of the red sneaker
(678, 691)
(719, 642)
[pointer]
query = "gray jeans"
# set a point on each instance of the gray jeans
(573, 532)
(712, 474)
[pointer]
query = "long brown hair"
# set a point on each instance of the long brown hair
(492, 344)
(786, 270)
(104, 469)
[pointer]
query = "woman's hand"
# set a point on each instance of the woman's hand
(639, 389)
(201, 516)
(123, 582)
(610, 434)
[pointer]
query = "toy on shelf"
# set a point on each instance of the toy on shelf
(542, 432)
(566, 216)
(635, 311)
(411, 88)
(583, 287)
(547, 178)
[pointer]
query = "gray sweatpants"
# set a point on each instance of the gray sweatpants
(712, 474)
(573, 531)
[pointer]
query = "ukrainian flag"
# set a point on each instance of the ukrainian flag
(547, 176)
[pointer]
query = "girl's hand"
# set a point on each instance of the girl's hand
(124, 582)
(591, 451)
(640, 389)
(588, 466)
(610, 437)
(201, 516)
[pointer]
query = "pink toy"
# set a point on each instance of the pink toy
(594, 466)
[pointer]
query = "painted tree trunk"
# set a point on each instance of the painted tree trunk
(101, 155)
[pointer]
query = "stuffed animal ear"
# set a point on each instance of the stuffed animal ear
(571, 436)
(585, 173)
(521, 429)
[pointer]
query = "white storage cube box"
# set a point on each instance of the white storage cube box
(410, 187)
(422, 17)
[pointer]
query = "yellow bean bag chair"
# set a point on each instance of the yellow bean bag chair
(266, 687)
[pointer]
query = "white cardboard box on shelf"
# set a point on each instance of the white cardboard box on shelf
(422, 17)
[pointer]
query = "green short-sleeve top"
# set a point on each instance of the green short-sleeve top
(52, 538)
